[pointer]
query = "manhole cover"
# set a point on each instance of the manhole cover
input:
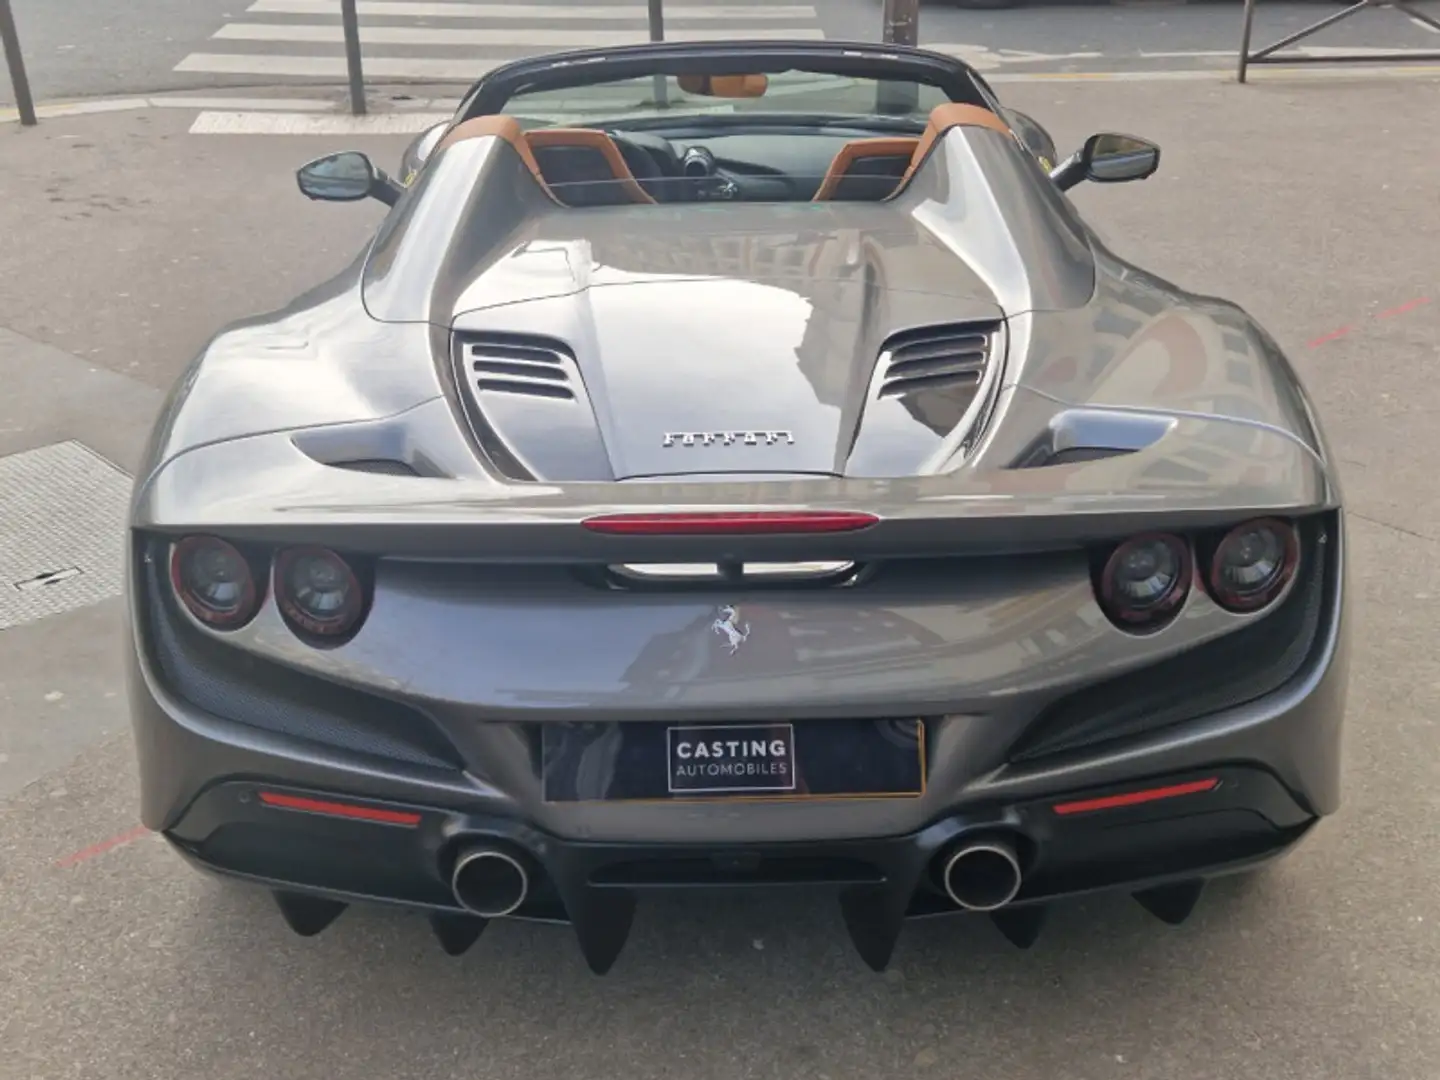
(62, 531)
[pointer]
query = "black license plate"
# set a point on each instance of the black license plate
(801, 759)
(724, 759)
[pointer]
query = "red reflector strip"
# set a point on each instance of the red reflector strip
(807, 521)
(344, 810)
(1134, 798)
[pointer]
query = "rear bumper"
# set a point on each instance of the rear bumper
(1274, 760)
(320, 855)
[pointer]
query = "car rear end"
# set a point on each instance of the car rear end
(407, 691)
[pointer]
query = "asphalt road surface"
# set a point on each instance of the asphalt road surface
(128, 241)
(86, 48)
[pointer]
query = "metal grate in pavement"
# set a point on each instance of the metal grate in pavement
(62, 531)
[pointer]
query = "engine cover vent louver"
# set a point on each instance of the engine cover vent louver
(515, 364)
(935, 357)
(528, 406)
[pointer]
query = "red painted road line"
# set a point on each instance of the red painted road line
(1388, 313)
(137, 833)
(1330, 336)
(1409, 305)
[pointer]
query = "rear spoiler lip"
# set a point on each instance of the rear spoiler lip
(530, 543)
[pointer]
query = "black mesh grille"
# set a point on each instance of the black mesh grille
(1221, 674)
(245, 689)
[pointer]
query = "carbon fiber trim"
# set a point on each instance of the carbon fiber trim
(1223, 674)
(247, 690)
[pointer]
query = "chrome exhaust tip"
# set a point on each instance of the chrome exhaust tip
(489, 882)
(982, 876)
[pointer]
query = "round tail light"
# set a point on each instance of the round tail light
(1145, 580)
(214, 581)
(317, 592)
(1253, 563)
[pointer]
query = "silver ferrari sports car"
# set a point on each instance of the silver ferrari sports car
(732, 465)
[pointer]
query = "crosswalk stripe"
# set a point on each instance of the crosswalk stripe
(423, 9)
(272, 123)
(430, 39)
(464, 69)
(514, 37)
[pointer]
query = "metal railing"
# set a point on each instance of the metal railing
(10, 39)
(901, 26)
(1267, 54)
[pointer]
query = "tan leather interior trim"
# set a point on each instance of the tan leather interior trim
(502, 127)
(955, 114)
(851, 152)
(942, 119)
(595, 140)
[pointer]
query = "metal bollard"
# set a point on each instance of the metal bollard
(657, 33)
(902, 22)
(351, 21)
(10, 38)
(901, 26)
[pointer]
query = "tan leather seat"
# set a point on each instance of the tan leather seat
(867, 170)
(604, 157)
(503, 127)
(944, 117)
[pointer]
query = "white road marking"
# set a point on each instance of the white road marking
(276, 123)
(419, 9)
(1353, 50)
(1259, 73)
(465, 69)
(516, 37)
(984, 58)
(435, 31)
(261, 104)
(1204, 54)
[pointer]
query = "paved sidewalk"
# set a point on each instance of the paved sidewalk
(127, 241)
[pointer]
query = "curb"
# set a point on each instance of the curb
(331, 116)
(309, 106)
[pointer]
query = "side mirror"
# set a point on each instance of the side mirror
(348, 176)
(1108, 159)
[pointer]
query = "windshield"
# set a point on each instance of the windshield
(648, 100)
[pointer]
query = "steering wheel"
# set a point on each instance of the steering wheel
(656, 165)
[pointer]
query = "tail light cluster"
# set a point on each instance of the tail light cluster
(322, 597)
(1142, 583)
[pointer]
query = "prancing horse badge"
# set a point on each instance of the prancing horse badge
(731, 628)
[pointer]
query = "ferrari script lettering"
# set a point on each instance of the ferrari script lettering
(727, 438)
